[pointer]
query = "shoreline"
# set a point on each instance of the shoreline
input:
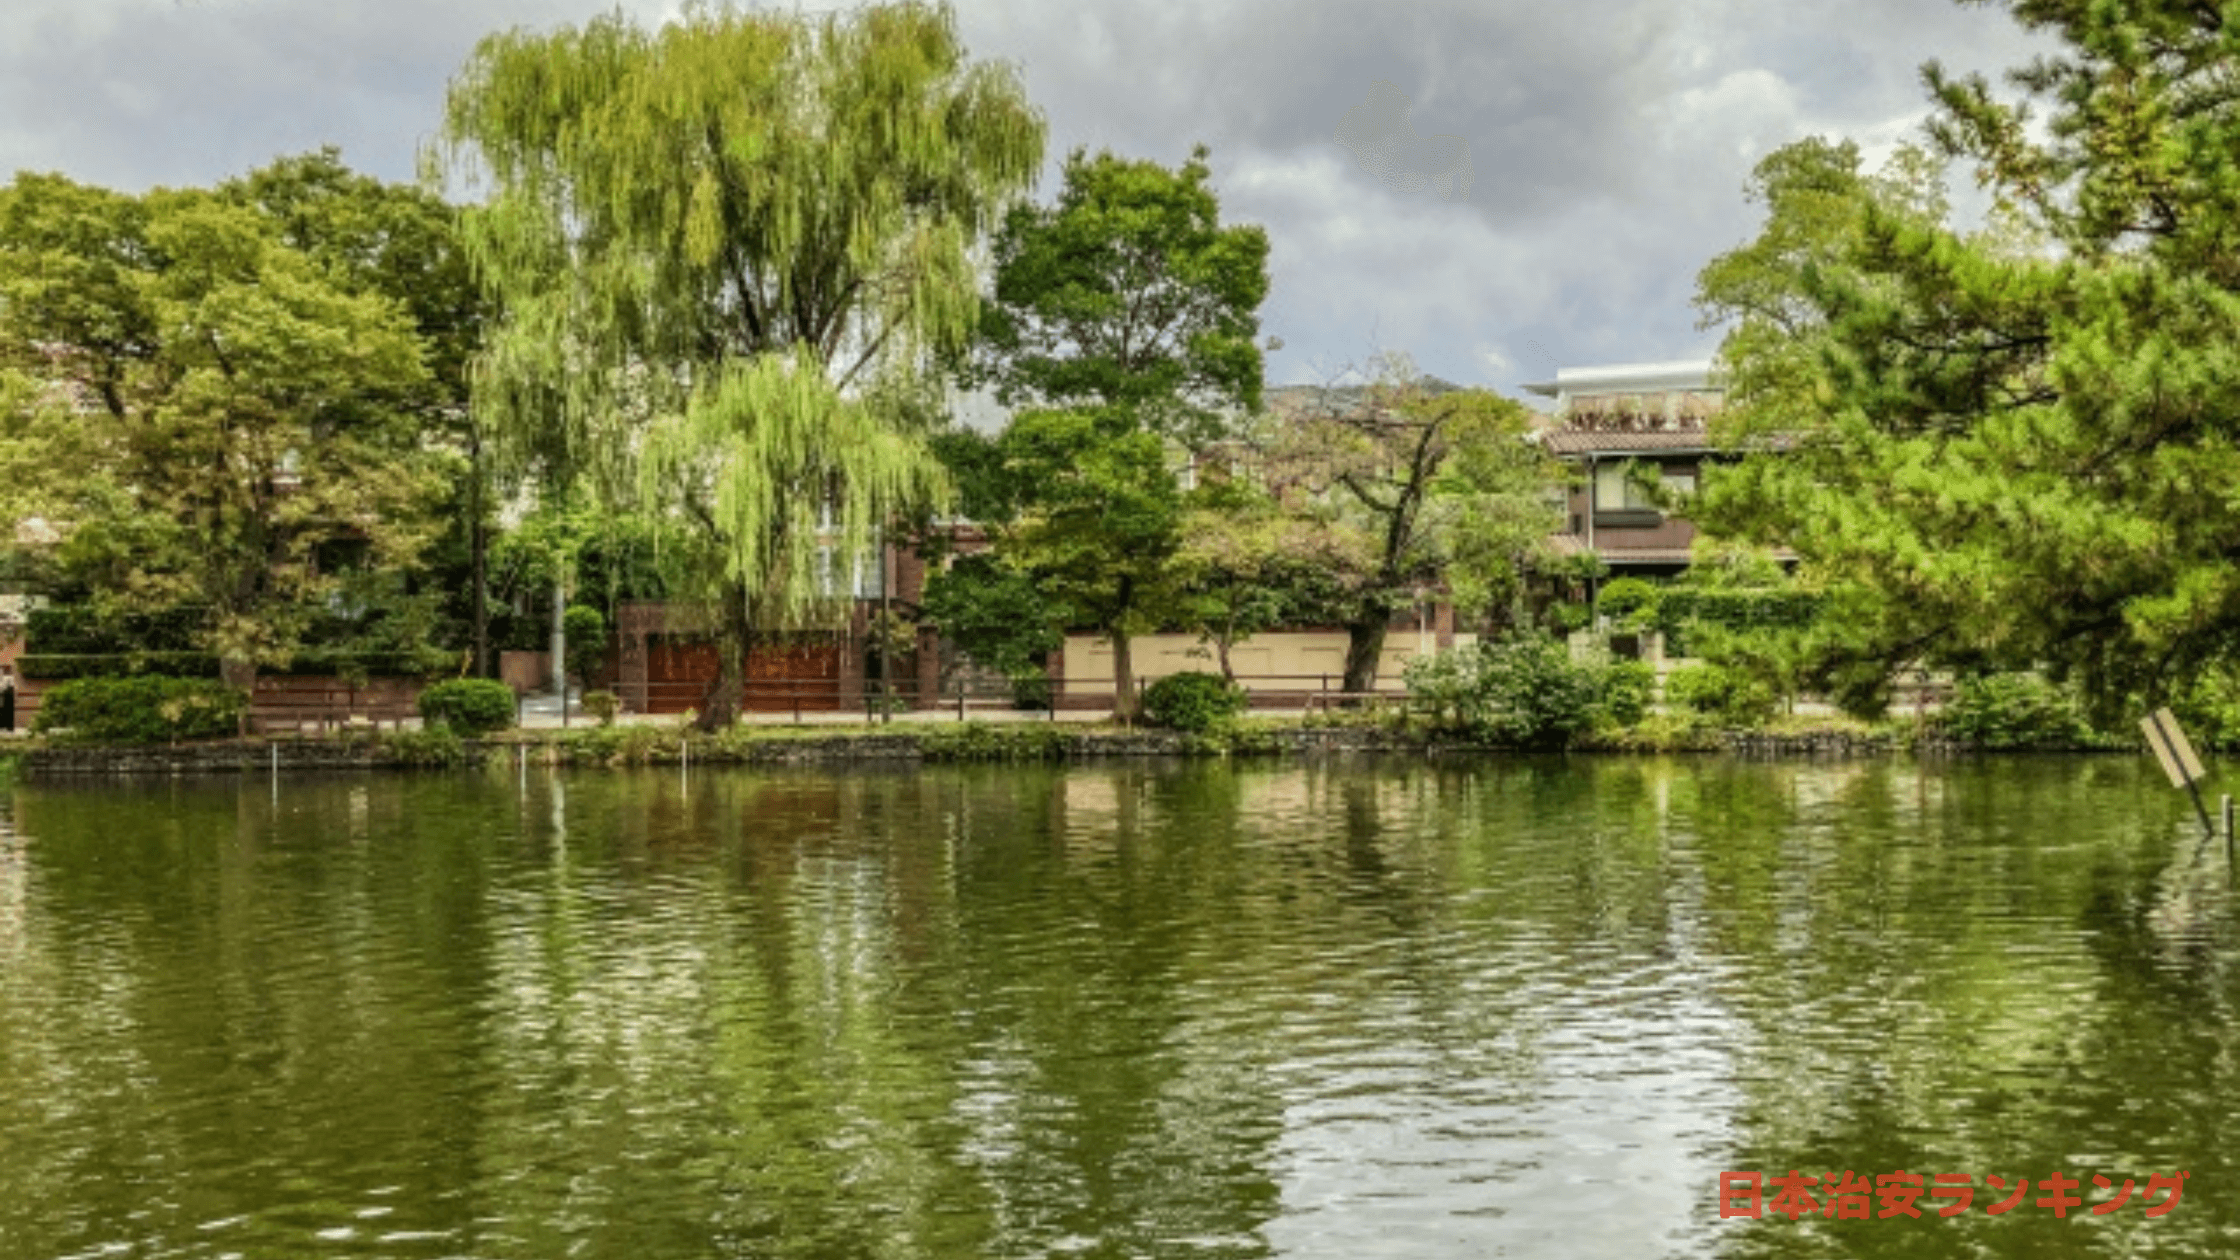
(914, 744)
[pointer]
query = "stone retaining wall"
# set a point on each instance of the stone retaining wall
(841, 748)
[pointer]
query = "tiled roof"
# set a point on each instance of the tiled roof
(1643, 555)
(1601, 442)
(1589, 441)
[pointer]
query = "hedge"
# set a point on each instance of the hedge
(72, 629)
(469, 706)
(55, 665)
(308, 663)
(1747, 608)
(148, 709)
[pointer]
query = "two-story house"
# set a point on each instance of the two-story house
(1621, 425)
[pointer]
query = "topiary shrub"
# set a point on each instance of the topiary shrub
(469, 706)
(1724, 695)
(1630, 601)
(2014, 711)
(144, 709)
(1192, 701)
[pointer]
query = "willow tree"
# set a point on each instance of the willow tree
(729, 252)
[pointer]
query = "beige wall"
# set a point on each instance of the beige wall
(1287, 660)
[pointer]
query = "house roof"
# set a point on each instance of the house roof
(1596, 442)
(1627, 378)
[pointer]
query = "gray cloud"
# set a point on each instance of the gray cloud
(1608, 139)
(1377, 133)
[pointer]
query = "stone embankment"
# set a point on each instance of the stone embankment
(971, 742)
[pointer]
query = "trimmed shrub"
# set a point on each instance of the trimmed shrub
(1725, 695)
(469, 706)
(145, 709)
(1625, 597)
(1523, 692)
(2014, 711)
(1192, 701)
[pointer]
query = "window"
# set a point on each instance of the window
(865, 578)
(1615, 492)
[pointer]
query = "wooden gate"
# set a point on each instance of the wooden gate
(780, 676)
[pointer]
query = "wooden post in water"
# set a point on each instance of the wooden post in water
(2176, 754)
(2228, 829)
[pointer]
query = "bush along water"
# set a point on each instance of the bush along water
(144, 709)
(1520, 692)
(2017, 712)
(1192, 701)
(1720, 694)
(471, 707)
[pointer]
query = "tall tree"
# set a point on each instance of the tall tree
(728, 251)
(2013, 450)
(1124, 321)
(1409, 487)
(230, 414)
(402, 242)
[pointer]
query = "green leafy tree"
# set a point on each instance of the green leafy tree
(2014, 443)
(235, 420)
(587, 642)
(1406, 487)
(1245, 569)
(740, 241)
(1124, 319)
(402, 242)
(1100, 533)
(1129, 292)
(997, 614)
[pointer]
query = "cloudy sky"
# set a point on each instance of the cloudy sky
(1608, 140)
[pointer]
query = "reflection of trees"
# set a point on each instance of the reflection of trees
(1143, 1010)
(1954, 969)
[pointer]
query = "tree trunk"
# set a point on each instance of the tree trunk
(239, 673)
(560, 645)
(1124, 700)
(478, 548)
(734, 639)
(1364, 650)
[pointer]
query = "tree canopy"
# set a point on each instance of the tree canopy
(242, 420)
(1406, 486)
(1123, 319)
(1128, 292)
(2013, 448)
(729, 252)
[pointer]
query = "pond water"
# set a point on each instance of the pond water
(1346, 1009)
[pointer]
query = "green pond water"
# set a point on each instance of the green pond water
(1345, 1009)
